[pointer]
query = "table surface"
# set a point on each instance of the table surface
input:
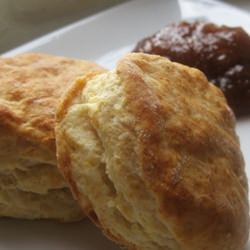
(243, 4)
(24, 20)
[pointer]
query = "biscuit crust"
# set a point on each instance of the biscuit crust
(31, 85)
(150, 151)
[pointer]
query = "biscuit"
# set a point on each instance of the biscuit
(152, 147)
(30, 87)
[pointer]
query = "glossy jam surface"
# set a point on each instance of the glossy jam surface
(221, 52)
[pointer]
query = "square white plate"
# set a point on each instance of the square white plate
(104, 38)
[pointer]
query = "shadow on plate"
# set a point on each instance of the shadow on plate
(49, 235)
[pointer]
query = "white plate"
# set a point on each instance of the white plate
(104, 38)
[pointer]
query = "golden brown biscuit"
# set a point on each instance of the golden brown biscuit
(152, 147)
(30, 88)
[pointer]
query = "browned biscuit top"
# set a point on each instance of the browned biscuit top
(190, 154)
(30, 88)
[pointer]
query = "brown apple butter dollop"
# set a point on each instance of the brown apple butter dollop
(221, 52)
